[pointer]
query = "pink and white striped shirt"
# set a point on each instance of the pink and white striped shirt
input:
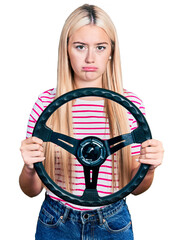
(88, 120)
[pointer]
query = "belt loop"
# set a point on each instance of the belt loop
(100, 216)
(66, 213)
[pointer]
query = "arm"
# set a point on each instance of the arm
(151, 153)
(32, 151)
(30, 182)
(31, 148)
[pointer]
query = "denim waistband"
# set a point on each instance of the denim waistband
(98, 214)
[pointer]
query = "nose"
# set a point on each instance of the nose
(90, 56)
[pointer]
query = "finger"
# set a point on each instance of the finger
(36, 154)
(32, 143)
(152, 162)
(149, 150)
(28, 148)
(150, 142)
(37, 140)
(34, 140)
(34, 160)
(150, 156)
(34, 147)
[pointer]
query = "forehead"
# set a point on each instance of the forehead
(90, 34)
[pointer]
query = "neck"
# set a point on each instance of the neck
(86, 84)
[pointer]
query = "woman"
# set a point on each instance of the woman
(88, 57)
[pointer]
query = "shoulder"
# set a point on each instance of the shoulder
(47, 97)
(134, 99)
(44, 99)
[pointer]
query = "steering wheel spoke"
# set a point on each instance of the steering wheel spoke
(91, 177)
(91, 195)
(116, 143)
(68, 143)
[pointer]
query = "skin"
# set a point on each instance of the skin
(89, 50)
(31, 151)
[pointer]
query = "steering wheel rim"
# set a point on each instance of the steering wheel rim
(90, 196)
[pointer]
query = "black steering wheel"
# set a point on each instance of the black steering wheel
(91, 151)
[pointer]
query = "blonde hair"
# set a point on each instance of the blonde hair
(61, 120)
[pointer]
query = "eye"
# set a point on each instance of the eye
(80, 47)
(101, 48)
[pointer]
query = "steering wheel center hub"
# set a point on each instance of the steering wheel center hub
(91, 152)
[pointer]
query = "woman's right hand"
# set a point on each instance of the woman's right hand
(32, 151)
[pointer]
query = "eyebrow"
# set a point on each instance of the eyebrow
(86, 43)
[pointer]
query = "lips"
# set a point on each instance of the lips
(89, 69)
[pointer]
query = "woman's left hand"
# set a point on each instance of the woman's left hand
(152, 152)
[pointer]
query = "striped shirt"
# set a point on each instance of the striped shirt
(88, 120)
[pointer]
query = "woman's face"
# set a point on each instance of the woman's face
(89, 49)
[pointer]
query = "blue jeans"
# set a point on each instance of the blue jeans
(57, 221)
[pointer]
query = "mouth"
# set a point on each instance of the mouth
(89, 69)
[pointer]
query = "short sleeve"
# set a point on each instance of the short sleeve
(34, 115)
(42, 102)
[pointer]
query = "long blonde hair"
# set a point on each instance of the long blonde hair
(61, 120)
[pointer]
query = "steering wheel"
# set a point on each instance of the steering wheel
(91, 151)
